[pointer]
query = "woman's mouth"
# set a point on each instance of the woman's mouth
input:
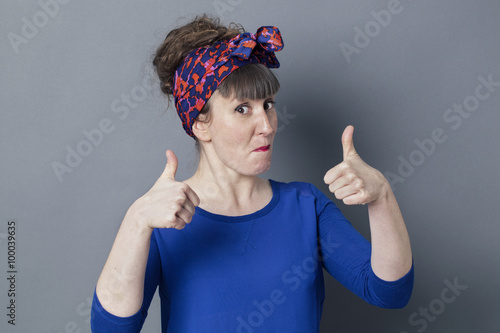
(263, 148)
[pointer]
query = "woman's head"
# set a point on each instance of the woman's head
(205, 65)
(203, 56)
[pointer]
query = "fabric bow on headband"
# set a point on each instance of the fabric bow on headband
(204, 69)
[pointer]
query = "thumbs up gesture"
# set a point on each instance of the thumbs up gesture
(169, 203)
(353, 181)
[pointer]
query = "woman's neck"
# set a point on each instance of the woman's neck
(225, 191)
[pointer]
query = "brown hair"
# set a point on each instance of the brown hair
(252, 81)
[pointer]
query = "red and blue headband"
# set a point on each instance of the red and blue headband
(204, 69)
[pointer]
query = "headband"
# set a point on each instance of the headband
(204, 69)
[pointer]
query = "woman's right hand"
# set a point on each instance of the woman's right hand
(169, 203)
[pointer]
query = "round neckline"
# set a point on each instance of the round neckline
(248, 217)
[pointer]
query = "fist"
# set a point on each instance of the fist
(353, 181)
(169, 203)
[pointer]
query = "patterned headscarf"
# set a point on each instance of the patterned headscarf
(204, 69)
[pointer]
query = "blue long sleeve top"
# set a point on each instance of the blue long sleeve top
(261, 272)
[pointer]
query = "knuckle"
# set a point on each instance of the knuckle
(359, 183)
(176, 206)
(350, 176)
(181, 200)
(183, 187)
(170, 218)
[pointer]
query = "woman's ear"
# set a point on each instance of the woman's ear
(200, 130)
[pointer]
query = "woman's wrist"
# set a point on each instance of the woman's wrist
(135, 221)
(385, 193)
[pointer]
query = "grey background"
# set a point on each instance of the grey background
(65, 79)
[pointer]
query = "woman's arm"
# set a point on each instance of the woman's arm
(355, 182)
(168, 204)
(391, 251)
(120, 287)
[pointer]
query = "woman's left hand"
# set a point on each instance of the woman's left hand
(353, 181)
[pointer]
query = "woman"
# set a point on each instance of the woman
(251, 258)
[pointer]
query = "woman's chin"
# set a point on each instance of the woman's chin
(261, 168)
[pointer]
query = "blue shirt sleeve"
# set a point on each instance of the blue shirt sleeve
(346, 255)
(102, 321)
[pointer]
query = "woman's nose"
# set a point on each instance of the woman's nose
(264, 125)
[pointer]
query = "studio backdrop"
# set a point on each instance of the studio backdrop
(84, 130)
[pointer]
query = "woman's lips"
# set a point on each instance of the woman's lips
(263, 148)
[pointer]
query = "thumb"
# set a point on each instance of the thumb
(171, 167)
(347, 143)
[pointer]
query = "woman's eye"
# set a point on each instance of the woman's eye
(242, 109)
(268, 105)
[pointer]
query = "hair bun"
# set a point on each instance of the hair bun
(202, 31)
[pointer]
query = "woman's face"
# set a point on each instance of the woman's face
(242, 133)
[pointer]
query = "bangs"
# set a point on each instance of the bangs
(250, 82)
